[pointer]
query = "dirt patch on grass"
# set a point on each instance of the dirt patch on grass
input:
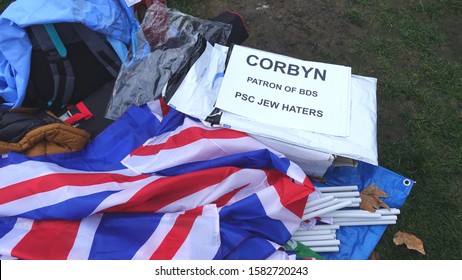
(308, 30)
(363, 35)
(450, 26)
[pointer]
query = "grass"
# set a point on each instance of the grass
(354, 17)
(186, 6)
(412, 53)
(426, 91)
(4, 4)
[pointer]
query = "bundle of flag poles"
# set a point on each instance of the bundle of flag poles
(339, 205)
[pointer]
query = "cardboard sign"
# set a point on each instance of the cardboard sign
(287, 92)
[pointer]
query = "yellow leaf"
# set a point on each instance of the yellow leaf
(370, 198)
(412, 242)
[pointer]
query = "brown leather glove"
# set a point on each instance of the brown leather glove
(34, 132)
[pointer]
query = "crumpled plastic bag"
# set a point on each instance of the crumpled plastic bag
(173, 39)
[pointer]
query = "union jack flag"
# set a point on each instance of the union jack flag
(156, 184)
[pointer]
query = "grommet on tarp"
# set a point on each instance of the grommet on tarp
(407, 182)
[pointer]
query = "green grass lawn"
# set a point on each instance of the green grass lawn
(414, 50)
(420, 88)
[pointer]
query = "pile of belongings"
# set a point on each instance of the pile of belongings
(103, 158)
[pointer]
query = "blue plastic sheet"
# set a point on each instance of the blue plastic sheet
(358, 242)
(114, 19)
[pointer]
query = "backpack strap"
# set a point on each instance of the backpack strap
(100, 49)
(61, 68)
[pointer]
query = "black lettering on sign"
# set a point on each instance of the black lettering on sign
(250, 57)
(280, 65)
(302, 110)
(318, 74)
(284, 68)
(293, 70)
(244, 97)
(308, 92)
(268, 103)
(266, 65)
(264, 83)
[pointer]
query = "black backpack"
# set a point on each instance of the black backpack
(69, 63)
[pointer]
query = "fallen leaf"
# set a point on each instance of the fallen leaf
(370, 198)
(412, 242)
(374, 256)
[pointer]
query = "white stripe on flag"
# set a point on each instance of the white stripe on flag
(156, 109)
(253, 177)
(129, 190)
(165, 225)
(275, 210)
(203, 240)
(14, 236)
(64, 193)
(255, 186)
(187, 123)
(33, 169)
(200, 150)
(295, 172)
(84, 239)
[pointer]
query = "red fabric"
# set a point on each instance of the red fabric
(180, 231)
(49, 240)
(84, 114)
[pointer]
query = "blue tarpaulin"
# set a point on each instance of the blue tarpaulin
(358, 242)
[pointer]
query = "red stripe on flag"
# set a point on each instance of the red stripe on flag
(165, 191)
(188, 136)
(47, 240)
(224, 199)
(177, 235)
(55, 181)
(292, 195)
(164, 107)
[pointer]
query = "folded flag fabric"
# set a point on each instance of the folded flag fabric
(188, 192)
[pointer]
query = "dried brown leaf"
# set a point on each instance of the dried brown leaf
(412, 242)
(374, 190)
(374, 256)
(370, 198)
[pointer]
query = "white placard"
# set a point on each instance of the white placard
(288, 92)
